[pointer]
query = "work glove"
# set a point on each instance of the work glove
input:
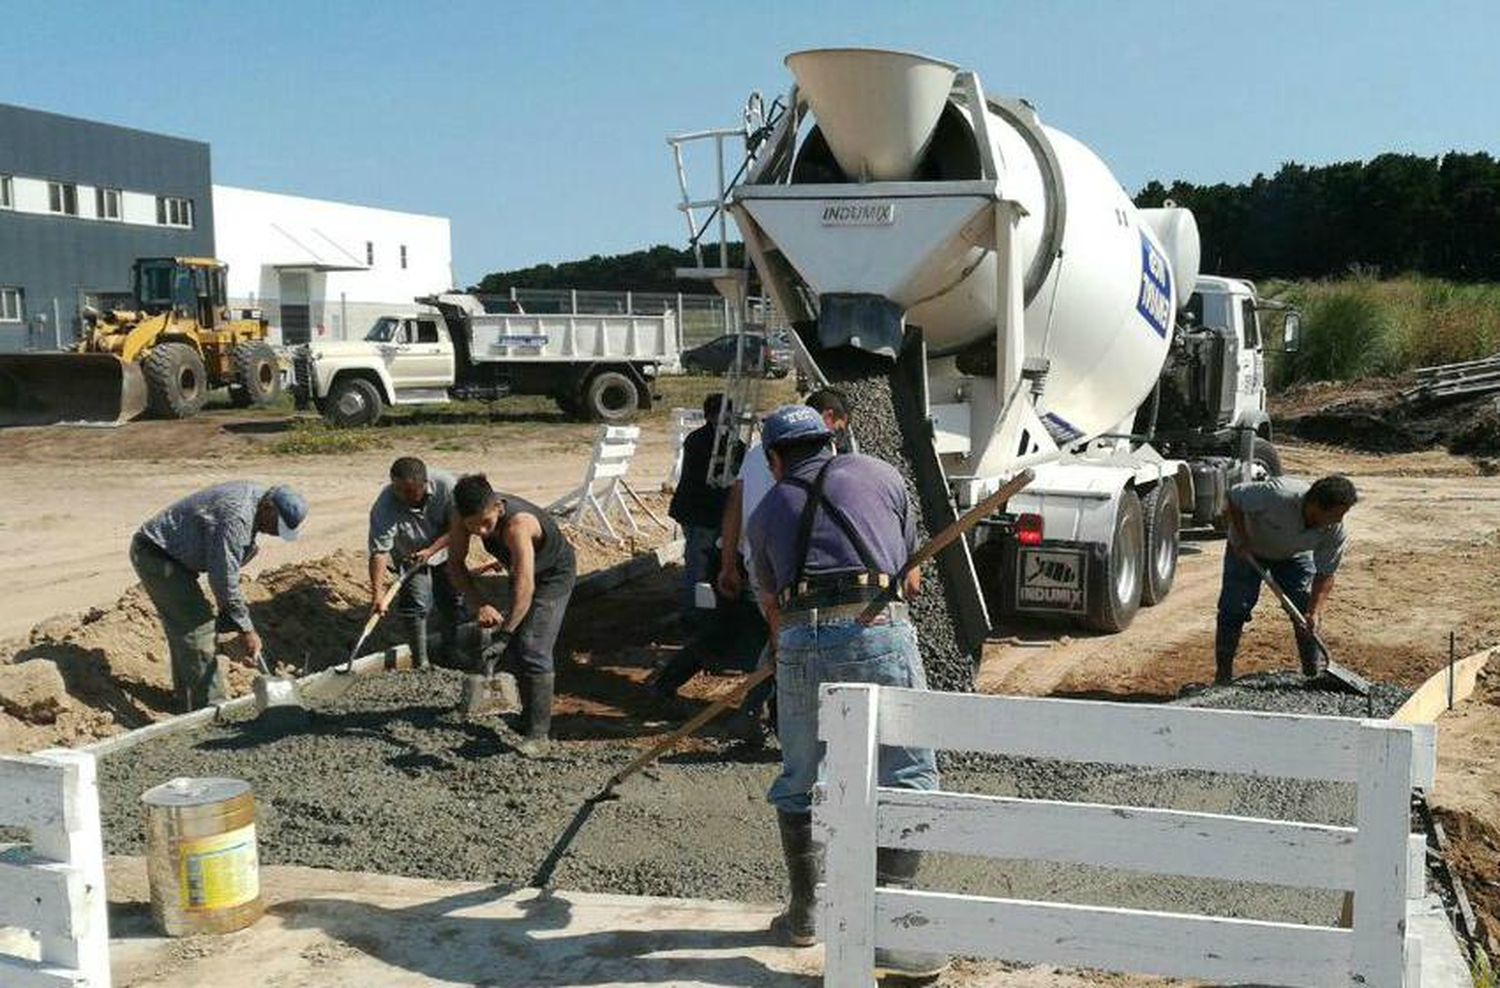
(494, 650)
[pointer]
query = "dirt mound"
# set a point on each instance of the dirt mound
(1371, 416)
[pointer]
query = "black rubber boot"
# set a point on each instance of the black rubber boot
(898, 869)
(1226, 644)
(1313, 662)
(797, 925)
(416, 634)
(1223, 669)
(536, 713)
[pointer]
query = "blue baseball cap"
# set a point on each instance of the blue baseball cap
(789, 423)
(291, 511)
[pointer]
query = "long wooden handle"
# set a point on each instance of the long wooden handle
(1299, 620)
(947, 537)
(691, 727)
(375, 616)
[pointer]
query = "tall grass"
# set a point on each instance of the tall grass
(1362, 326)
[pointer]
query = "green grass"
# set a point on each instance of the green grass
(311, 437)
(1362, 326)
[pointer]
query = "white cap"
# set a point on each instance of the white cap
(288, 532)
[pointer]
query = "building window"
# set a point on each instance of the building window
(403, 257)
(107, 204)
(7, 193)
(10, 305)
(369, 253)
(174, 211)
(62, 197)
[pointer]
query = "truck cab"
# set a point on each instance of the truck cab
(1232, 305)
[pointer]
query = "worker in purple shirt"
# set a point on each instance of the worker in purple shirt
(825, 540)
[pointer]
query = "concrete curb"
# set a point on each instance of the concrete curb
(593, 585)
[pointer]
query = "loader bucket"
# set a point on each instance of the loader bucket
(69, 388)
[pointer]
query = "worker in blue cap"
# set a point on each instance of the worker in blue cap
(212, 532)
(829, 537)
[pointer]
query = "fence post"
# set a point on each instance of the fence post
(573, 301)
(1384, 823)
(80, 843)
(847, 715)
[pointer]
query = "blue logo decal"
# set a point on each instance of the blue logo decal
(1061, 430)
(1155, 301)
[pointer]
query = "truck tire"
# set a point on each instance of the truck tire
(257, 375)
(176, 381)
(353, 402)
(1163, 515)
(611, 396)
(1265, 460)
(1116, 592)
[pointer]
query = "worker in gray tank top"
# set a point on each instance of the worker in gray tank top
(526, 540)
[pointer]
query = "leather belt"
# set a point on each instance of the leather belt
(813, 617)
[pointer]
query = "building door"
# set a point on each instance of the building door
(296, 313)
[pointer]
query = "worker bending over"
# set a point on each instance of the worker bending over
(408, 528)
(213, 532)
(825, 540)
(1297, 534)
(525, 540)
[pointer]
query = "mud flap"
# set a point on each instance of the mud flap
(69, 388)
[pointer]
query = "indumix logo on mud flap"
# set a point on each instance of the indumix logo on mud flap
(1051, 580)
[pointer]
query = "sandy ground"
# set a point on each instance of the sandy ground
(1421, 562)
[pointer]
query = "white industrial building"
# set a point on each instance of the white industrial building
(321, 269)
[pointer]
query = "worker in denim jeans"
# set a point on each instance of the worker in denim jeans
(827, 539)
(1296, 532)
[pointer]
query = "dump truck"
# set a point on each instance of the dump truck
(176, 342)
(1026, 314)
(597, 367)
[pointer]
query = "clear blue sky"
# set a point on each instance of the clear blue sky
(538, 128)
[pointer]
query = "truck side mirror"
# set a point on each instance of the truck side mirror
(1291, 332)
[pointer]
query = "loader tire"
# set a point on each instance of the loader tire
(611, 397)
(1116, 591)
(257, 375)
(1163, 520)
(353, 402)
(176, 381)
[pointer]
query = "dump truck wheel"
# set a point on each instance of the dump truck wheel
(353, 402)
(257, 375)
(176, 381)
(1163, 520)
(611, 397)
(1117, 591)
(1265, 461)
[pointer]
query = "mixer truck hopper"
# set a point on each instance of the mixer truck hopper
(1022, 309)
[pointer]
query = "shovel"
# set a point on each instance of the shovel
(436, 559)
(1348, 678)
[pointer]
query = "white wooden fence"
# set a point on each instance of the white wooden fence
(55, 889)
(684, 420)
(854, 815)
(602, 494)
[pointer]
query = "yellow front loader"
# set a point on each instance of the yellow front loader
(165, 355)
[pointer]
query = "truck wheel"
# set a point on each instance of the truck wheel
(1265, 461)
(257, 375)
(1163, 520)
(176, 381)
(611, 397)
(353, 402)
(1117, 589)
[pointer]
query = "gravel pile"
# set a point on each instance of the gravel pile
(867, 383)
(1288, 693)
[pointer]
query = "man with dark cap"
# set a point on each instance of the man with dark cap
(828, 538)
(213, 532)
(1296, 532)
(525, 540)
(409, 528)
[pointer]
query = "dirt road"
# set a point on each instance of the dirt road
(76, 495)
(1422, 562)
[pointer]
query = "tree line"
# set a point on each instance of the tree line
(1393, 214)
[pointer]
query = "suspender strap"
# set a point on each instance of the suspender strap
(815, 499)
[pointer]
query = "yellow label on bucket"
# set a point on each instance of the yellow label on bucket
(219, 872)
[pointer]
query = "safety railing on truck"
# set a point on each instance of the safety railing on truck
(1373, 859)
(53, 887)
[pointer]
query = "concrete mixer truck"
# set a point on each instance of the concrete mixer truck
(985, 277)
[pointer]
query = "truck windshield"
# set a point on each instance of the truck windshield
(384, 330)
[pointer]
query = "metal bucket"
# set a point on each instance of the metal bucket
(201, 856)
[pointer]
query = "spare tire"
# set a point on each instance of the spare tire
(176, 381)
(611, 396)
(257, 374)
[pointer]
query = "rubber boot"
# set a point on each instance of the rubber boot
(1226, 644)
(1223, 669)
(536, 713)
(1313, 662)
(416, 634)
(797, 924)
(898, 869)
